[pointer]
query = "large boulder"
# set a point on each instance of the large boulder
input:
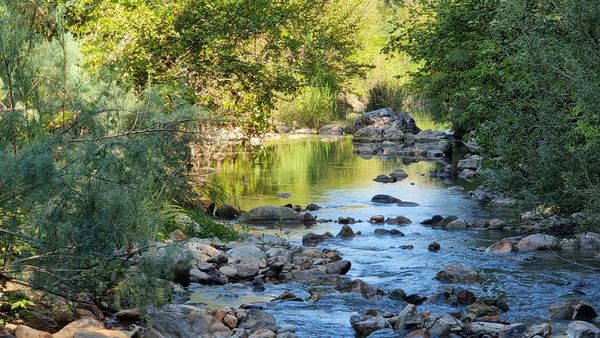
(247, 254)
(386, 118)
(387, 199)
(537, 242)
(470, 162)
(184, 321)
(312, 239)
(270, 214)
(69, 330)
(408, 318)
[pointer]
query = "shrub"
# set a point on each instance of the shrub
(313, 108)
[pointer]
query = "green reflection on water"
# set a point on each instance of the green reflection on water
(307, 168)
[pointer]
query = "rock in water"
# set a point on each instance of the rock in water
(271, 214)
(346, 232)
(227, 212)
(434, 247)
(363, 288)
(501, 247)
(455, 273)
(537, 242)
(338, 268)
(399, 174)
(385, 199)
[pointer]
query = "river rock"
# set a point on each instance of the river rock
(377, 219)
(398, 220)
(248, 254)
(385, 179)
(458, 224)
(434, 247)
(399, 174)
(543, 330)
(201, 252)
(227, 212)
(470, 162)
(406, 247)
(408, 318)
(346, 232)
(69, 330)
(346, 220)
(312, 207)
(443, 223)
(486, 196)
(270, 214)
(468, 175)
(371, 324)
(331, 129)
(442, 325)
(387, 199)
(580, 329)
(537, 242)
(433, 221)
(563, 310)
(312, 239)
(490, 329)
(501, 247)
(256, 319)
(456, 273)
(24, 331)
(357, 285)
(589, 241)
(338, 268)
(397, 294)
(584, 312)
(129, 315)
(314, 277)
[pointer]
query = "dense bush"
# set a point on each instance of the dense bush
(235, 57)
(85, 166)
(522, 75)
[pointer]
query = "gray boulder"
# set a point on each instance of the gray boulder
(537, 242)
(331, 129)
(270, 214)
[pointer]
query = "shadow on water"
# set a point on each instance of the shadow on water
(328, 174)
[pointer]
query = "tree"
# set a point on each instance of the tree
(85, 166)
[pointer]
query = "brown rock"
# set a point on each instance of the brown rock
(69, 330)
(24, 331)
(230, 321)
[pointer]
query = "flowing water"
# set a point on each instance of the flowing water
(328, 174)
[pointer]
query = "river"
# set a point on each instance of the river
(327, 173)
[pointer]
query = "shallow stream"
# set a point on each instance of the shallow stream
(328, 174)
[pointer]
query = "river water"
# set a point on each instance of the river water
(326, 173)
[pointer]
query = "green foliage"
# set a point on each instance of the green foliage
(521, 74)
(14, 303)
(195, 224)
(313, 108)
(386, 96)
(235, 56)
(85, 165)
(139, 290)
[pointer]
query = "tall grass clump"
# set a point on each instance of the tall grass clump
(313, 108)
(385, 95)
